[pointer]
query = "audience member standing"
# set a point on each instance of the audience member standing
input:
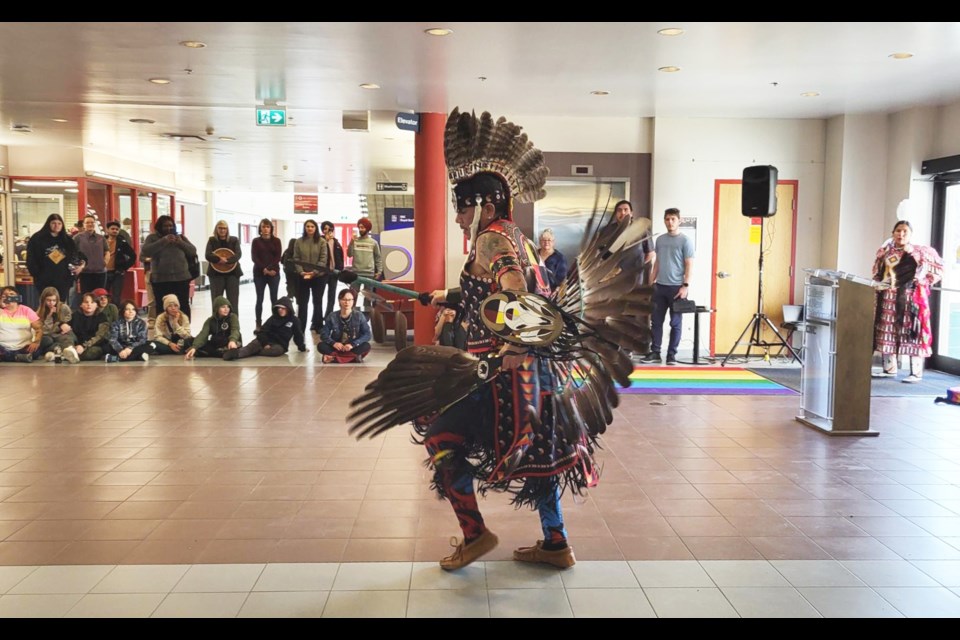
(266, 251)
(290, 273)
(671, 276)
(120, 257)
(224, 271)
(553, 260)
(170, 254)
(367, 262)
(52, 257)
(310, 248)
(334, 261)
(94, 247)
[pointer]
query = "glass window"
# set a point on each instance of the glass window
(145, 212)
(947, 342)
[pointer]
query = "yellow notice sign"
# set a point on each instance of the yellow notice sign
(755, 231)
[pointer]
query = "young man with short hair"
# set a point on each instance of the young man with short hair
(671, 277)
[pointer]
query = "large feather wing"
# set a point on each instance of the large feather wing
(610, 308)
(418, 382)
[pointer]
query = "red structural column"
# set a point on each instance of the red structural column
(429, 220)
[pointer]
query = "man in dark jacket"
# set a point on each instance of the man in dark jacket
(273, 338)
(120, 256)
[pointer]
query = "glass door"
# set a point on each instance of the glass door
(946, 302)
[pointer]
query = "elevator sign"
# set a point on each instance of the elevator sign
(271, 117)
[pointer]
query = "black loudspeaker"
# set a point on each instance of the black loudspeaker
(759, 192)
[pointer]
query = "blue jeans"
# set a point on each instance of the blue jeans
(663, 297)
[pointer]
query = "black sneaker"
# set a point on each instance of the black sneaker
(671, 360)
(651, 358)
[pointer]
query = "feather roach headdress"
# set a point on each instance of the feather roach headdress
(491, 161)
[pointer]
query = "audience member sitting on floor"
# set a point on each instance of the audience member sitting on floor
(171, 332)
(345, 336)
(273, 338)
(109, 310)
(91, 328)
(220, 332)
(128, 336)
(58, 336)
(20, 329)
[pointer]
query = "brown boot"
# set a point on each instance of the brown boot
(562, 558)
(464, 554)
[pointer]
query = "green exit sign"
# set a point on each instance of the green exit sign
(271, 117)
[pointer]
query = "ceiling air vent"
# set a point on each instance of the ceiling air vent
(356, 121)
(21, 128)
(180, 137)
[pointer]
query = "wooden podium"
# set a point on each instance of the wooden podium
(838, 350)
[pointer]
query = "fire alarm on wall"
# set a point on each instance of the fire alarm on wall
(581, 170)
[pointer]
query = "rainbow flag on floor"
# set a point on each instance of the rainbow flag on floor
(733, 381)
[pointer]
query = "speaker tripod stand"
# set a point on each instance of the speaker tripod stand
(756, 324)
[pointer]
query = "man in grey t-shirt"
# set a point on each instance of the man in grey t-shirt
(671, 277)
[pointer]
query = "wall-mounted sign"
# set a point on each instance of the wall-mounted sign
(408, 121)
(271, 117)
(397, 218)
(391, 186)
(304, 204)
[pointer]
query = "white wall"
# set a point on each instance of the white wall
(46, 162)
(690, 154)
(589, 135)
(863, 191)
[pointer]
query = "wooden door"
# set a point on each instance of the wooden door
(736, 265)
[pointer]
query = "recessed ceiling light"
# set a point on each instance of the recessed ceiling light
(193, 44)
(810, 94)
(59, 119)
(438, 31)
(669, 69)
(142, 121)
(599, 93)
(369, 85)
(670, 31)
(46, 183)
(160, 80)
(900, 55)
(226, 138)
(72, 190)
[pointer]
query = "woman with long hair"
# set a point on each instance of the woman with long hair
(311, 248)
(902, 320)
(52, 257)
(170, 254)
(224, 271)
(266, 252)
(55, 319)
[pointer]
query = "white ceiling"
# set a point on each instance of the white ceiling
(95, 76)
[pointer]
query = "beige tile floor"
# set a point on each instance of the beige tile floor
(233, 489)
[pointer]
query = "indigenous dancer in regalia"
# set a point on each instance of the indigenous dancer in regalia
(902, 322)
(521, 409)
